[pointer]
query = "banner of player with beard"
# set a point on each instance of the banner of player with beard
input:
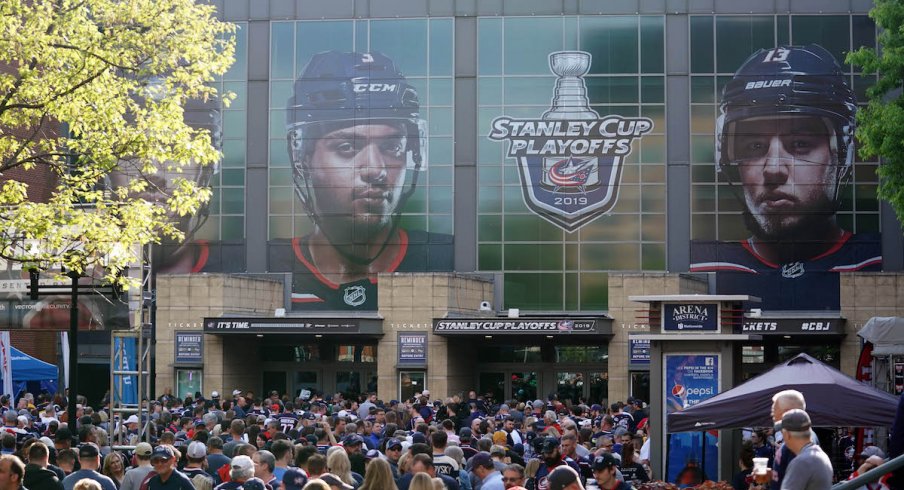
(785, 148)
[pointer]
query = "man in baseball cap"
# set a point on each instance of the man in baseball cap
(564, 478)
(606, 473)
(89, 458)
(811, 467)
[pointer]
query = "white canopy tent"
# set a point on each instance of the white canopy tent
(886, 334)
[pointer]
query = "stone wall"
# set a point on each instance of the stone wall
(863, 296)
(409, 303)
(625, 316)
(183, 300)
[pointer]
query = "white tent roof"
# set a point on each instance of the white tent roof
(886, 333)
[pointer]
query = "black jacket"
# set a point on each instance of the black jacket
(37, 478)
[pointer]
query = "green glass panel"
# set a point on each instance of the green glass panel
(281, 200)
(438, 175)
(282, 50)
(653, 228)
(489, 228)
(234, 124)
(489, 175)
(612, 41)
(530, 91)
(441, 91)
(829, 31)
(441, 151)
(703, 227)
(739, 37)
(703, 89)
(278, 125)
(234, 176)
(703, 198)
(489, 257)
(865, 173)
(703, 149)
(417, 203)
(280, 92)
(240, 90)
(529, 228)
(214, 204)
(570, 36)
(594, 291)
(314, 37)
(533, 291)
(441, 223)
(233, 227)
(653, 256)
(703, 119)
(234, 153)
(863, 32)
(489, 199)
(866, 198)
(239, 69)
(527, 42)
(628, 199)
(654, 199)
(573, 257)
(280, 228)
(413, 222)
(846, 222)
(489, 46)
(405, 42)
(652, 149)
(513, 201)
(612, 90)
(652, 44)
(440, 199)
(362, 36)
(280, 177)
(303, 225)
(703, 173)
(572, 291)
(489, 91)
(233, 201)
(701, 44)
(279, 153)
(610, 256)
(612, 227)
(532, 257)
(652, 90)
(862, 83)
(652, 174)
(846, 198)
(440, 122)
(630, 173)
(656, 113)
(441, 41)
(210, 230)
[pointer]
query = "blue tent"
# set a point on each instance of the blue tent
(31, 373)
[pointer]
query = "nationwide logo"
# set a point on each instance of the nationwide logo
(570, 159)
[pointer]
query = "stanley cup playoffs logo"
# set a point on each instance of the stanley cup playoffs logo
(570, 158)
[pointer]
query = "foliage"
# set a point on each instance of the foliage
(880, 130)
(86, 88)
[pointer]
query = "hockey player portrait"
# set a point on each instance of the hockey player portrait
(357, 144)
(785, 145)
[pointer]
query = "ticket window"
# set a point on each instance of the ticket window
(411, 383)
(188, 382)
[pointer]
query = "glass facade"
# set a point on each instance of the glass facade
(545, 266)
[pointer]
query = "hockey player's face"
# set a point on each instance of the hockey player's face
(357, 173)
(787, 171)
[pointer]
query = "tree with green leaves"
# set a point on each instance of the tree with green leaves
(94, 92)
(880, 128)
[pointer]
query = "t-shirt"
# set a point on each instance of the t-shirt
(176, 481)
(446, 465)
(105, 482)
(810, 470)
(134, 476)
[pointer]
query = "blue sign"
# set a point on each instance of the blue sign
(689, 380)
(640, 351)
(413, 348)
(125, 386)
(680, 317)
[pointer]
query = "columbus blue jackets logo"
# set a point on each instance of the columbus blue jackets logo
(570, 159)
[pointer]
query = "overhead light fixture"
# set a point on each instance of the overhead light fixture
(260, 335)
(318, 336)
(549, 336)
(487, 336)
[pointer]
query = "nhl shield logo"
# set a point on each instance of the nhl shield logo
(354, 296)
(570, 159)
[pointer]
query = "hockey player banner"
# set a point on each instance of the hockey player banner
(570, 159)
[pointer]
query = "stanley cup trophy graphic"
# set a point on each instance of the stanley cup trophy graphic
(570, 102)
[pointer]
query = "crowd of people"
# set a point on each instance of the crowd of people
(248, 442)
